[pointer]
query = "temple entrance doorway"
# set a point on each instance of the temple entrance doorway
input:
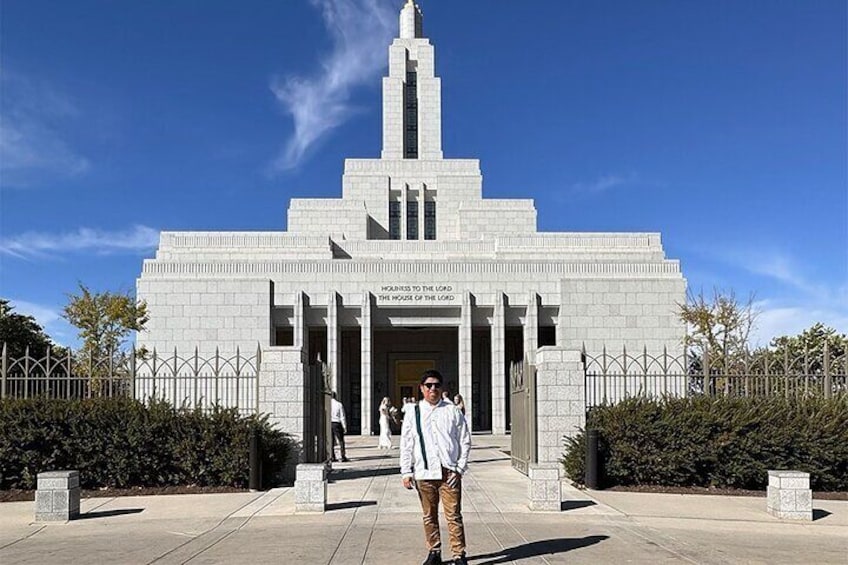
(407, 378)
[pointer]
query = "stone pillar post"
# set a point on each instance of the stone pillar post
(560, 399)
(789, 496)
(531, 327)
(545, 487)
(334, 340)
(464, 350)
(57, 498)
(310, 488)
(499, 391)
(281, 384)
(366, 367)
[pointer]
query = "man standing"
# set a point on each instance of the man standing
(434, 447)
(339, 425)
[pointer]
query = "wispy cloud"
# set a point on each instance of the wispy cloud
(37, 244)
(33, 144)
(798, 301)
(43, 314)
(361, 31)
(775, 320)
(605, 183)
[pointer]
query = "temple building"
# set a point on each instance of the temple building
(412, 268)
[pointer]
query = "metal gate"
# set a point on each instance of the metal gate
(522, 409)
(317, 433)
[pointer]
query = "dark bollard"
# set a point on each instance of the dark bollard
(255, 460)
(592, 460)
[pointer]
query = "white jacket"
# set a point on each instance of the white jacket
(446, 438)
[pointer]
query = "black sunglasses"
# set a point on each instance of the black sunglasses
(432, 385)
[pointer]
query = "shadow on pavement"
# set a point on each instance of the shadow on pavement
(345, 505)
(107, 513)
(575, 504)
(376, 457)
(537, 548)
(346, 474)
(818, 514)
(497, 459)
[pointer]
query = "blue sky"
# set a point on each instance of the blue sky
(723, 125)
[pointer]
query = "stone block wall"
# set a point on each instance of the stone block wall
(208, 313)
(625, 311)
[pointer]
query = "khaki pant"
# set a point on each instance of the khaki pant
(429, 492)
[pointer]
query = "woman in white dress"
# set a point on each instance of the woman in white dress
(385, 424)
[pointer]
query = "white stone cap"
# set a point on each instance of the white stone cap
(58, 474)
(789, 474)
(58, 480)
(410, 21)
(794, 480)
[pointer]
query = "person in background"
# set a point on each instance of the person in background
(386, 408)
(339, 425)
(459, 403)
(435, 443)
(446, 396)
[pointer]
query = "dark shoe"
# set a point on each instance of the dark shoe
(345, 460)
(461, 560)
(433, 558)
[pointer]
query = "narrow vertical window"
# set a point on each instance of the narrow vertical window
(430, 220)
(410, 116)
(412, 220)
(394, 219)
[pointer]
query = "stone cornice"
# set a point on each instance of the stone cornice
(663, 269)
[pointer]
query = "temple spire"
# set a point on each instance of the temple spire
(410, 21)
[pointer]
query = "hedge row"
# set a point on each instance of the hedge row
(120, 443)
(717, 442)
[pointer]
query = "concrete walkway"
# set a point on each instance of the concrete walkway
(372, 519)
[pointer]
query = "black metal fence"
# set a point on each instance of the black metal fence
(611, 378)
(192, 381)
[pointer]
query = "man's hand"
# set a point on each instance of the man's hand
(407, 483)
(453, 479)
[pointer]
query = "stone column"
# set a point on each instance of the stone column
(531, 327)
(366, 368)
(334, 339)
(300, 300)
(464, 349)
(404, 195)
(499, 391)
(422, 190)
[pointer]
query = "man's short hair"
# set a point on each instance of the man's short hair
(431, 374)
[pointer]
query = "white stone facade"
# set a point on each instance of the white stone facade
(412, 263)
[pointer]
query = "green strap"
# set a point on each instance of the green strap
(421, 436)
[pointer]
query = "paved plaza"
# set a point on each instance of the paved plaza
(372, 519)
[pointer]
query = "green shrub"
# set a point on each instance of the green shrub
(717, 442)
(120, 443)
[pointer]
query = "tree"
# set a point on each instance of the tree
(104, 320)
(809, 345)
(721, 324)
(18, 332)
(718, 330)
